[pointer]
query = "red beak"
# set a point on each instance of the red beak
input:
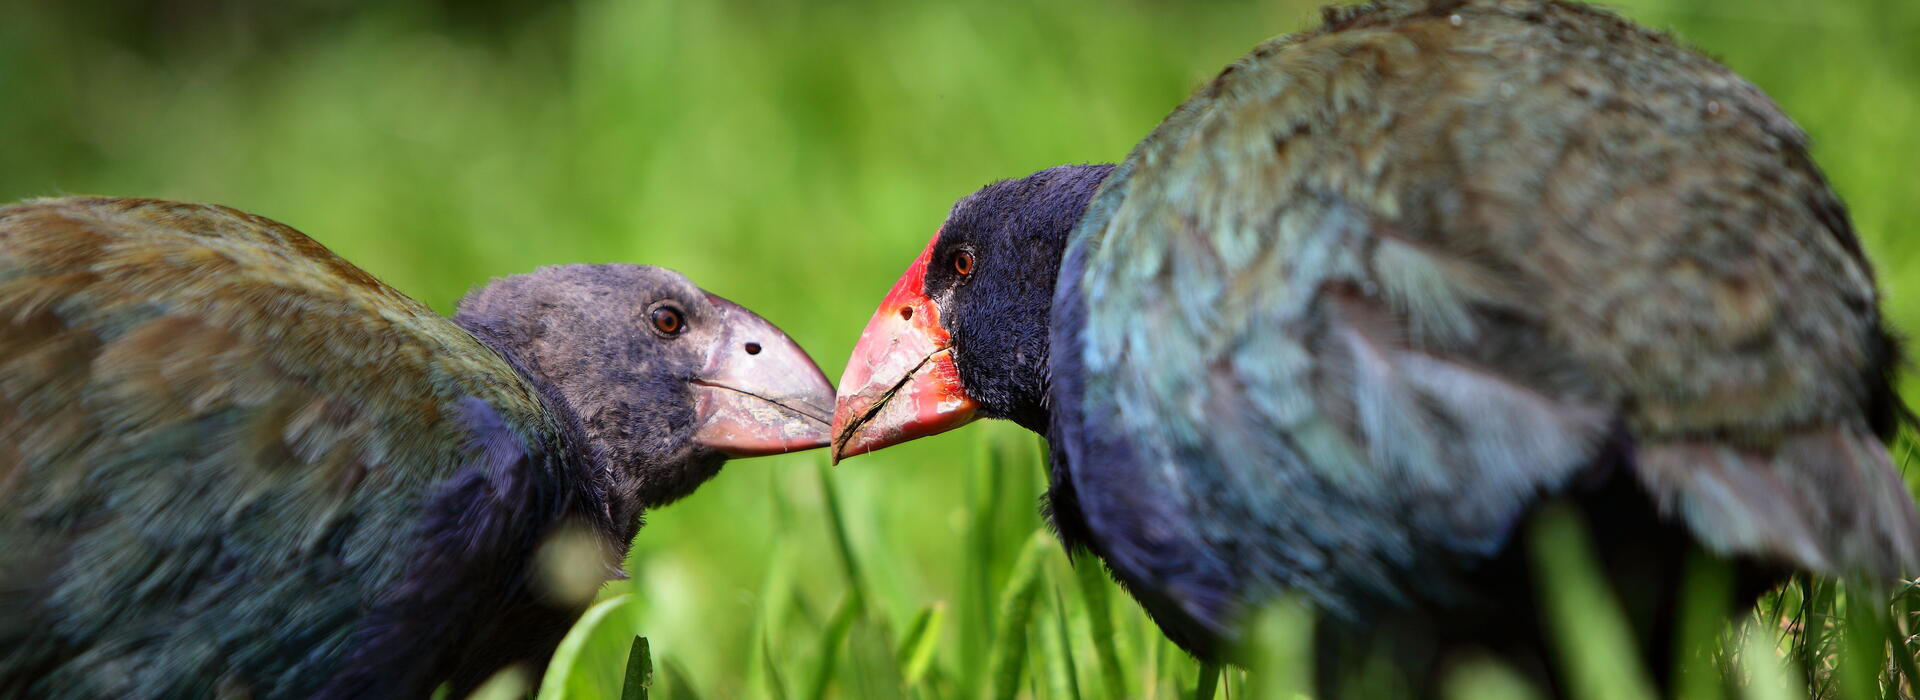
(900, 383)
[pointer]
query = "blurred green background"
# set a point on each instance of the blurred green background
(791, 156)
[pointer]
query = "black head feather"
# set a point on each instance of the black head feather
(1014, 232)
(585, 335)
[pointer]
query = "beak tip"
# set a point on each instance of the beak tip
(740, 424)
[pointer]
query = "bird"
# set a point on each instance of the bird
(1386, 292)
(233, 463)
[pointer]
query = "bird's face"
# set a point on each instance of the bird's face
(963, 333)
(754, 390)
(656, 367)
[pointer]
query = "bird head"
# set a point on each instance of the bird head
(963, 333)
(665, 379)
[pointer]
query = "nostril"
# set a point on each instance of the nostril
(753, 348)
(906, 313)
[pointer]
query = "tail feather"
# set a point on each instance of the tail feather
(1828, 500)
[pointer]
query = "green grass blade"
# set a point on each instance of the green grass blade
(803, 612)
(870, 647)
(679, 682)
(639, 677)
(1902, 683)
(831, 643)
(1093, 591)
(1280, 652)
(1017, 598)
(1065, 652)
(836, 517)
(770, 666)
(553, 685)
(1166, 678)
(1768, 676)
(1150, 667)
(1899, 636)
(923, 637)
(1816, 609)
(983, 547)
(777, 593)
(1706, 596)
(1591, 639)
(1863, 645)
(1207, 683)
(1044, 657)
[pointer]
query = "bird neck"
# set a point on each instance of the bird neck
(596, 453)
(1037, 420)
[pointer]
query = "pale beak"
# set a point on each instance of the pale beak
(760, 394)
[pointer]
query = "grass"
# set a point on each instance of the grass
(794, 157)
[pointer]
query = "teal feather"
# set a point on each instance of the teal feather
(1345, 318)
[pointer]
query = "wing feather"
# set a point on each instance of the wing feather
(216, 437)
(1358, 303)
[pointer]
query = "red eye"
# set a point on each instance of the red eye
(963, 263)
(667, 320)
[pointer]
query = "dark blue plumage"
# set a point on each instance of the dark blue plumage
(476, 528)
(1016, 229)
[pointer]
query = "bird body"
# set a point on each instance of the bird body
(1433, 268)
(232, 462)
(1359, 308)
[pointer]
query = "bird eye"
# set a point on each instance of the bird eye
(963, 263)
(668, 320)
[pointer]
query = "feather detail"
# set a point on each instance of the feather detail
(1827, 500)
(1379, 288)
(195, 400)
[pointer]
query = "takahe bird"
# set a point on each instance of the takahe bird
(1355, 311)
(233, 463)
